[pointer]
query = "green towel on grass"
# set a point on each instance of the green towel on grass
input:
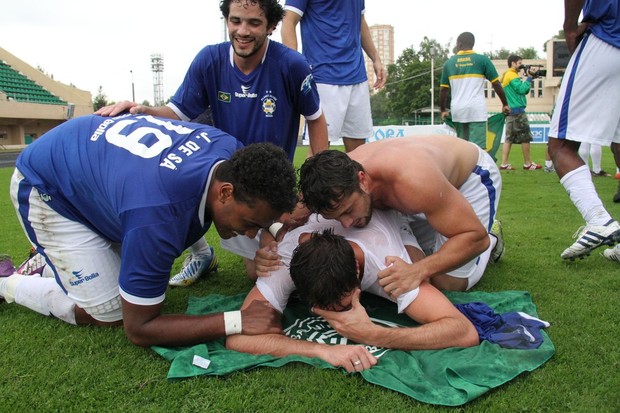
(448, 377)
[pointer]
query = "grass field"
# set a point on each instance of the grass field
(47, 366)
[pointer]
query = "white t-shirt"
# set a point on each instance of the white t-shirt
(383, 236)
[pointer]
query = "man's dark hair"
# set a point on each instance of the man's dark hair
(467, 40)
(327, 178)
(274, 12)
(261, 171)
(513, 58)
(324, 269)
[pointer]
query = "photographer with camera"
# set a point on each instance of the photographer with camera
(517, 125)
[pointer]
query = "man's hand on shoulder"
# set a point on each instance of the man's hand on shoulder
(120, 107)
(267, 259)
(399, 277)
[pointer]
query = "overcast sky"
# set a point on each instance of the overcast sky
(91, 44)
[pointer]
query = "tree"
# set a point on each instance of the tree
(100, 100)
(527, 53)
(379, 105)
(408, 87)
(503, 53)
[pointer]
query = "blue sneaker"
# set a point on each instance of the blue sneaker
(194, 266)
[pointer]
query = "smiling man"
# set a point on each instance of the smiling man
(256, 90)
(112, 202)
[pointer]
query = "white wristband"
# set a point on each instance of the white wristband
(274, 228)
(232, 322)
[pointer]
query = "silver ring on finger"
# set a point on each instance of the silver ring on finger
(357, 362)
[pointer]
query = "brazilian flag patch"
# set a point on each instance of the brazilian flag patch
(223, 96)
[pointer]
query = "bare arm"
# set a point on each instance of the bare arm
(573, 30)
(145, 325)
(499, 91)
(317, 134)
(369, 47)
(288, 30)
(451, 215)
(134, 108)
(280, 345)
(442, 324)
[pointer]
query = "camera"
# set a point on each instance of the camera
(540, 73)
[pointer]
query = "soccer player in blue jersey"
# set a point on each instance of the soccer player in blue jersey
(587, 110)
(333, 34)
(112, 202)
(256, 90)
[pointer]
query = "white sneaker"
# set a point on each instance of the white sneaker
(194, 266)
(590, 237)
(612, 253)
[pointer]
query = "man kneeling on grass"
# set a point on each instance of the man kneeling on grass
(330, 271)
(110, 203)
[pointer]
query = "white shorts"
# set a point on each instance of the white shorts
(347, 110)
(482, 190)
(588, 108)
(85, 265)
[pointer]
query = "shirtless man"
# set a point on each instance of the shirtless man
(449, 183)
(353, 265)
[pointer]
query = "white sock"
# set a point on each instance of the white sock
(596, 154)
(548, 164)
(581, 190)
(42, 295)
(584, 152)
(200, 247)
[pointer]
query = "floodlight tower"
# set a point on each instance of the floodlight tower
(157, 67)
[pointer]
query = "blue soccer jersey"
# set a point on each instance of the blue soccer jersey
(604, 17)
(263, 106)
(331, 39)
(139, 181)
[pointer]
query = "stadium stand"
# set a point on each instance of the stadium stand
(31, 103)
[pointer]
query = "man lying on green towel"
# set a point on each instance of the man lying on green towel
(442, 325)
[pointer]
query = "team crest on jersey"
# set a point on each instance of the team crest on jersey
(306, 85)
(269, 104)
(223, 96)
(317, 330)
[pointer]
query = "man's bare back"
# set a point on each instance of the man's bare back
(415, 167)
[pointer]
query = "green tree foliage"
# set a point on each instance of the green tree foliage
(100, 100)
(503, 53)
(409, 81)
(527, 53)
